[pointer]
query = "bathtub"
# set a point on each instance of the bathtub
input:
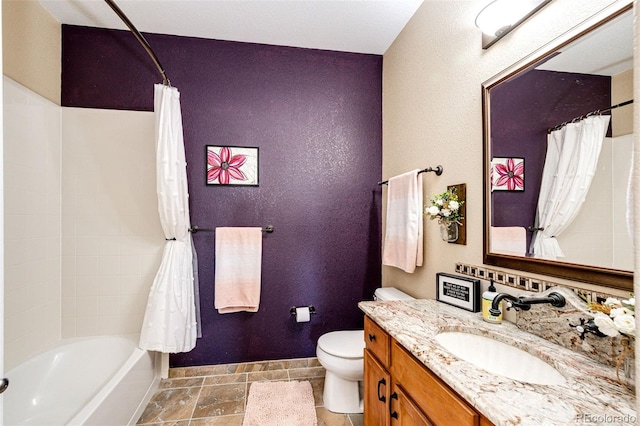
(95, 381)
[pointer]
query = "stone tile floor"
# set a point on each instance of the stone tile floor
(216, 395)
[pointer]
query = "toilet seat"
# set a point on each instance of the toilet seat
(344, 344)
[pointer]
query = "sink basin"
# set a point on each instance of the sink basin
(499, 358)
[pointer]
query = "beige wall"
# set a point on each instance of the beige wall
(31, 47)
(622, 91)
(432, 77)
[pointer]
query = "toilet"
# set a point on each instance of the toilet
(341, 353)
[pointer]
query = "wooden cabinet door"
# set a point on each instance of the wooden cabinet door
(377, 386)
(404, 411)
(440, 403)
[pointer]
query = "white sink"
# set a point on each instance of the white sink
(499, 358)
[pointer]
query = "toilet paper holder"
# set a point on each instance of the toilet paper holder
(312, 310)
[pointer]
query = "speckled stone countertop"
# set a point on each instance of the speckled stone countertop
(591, 393)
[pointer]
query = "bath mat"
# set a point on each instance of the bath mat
(280, 404)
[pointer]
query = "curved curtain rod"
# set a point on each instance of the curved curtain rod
(589, 114)
(141, 39)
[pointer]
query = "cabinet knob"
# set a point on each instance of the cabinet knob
(381, 382)
(372, 337)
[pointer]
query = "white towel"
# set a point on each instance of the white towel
(403, 242)
(238, 269)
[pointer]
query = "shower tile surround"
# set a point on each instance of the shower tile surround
(32, 231)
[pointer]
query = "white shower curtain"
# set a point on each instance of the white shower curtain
(572, 158)
(170, 319)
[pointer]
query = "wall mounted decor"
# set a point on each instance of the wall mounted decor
(461, 191)
(459, 291)
(507, 174)
(232, 165)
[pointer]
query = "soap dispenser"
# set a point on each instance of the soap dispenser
(487, 300)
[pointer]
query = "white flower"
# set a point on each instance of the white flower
(611, 301)
(615, 312)
(446, 212)
(433, 210)
(454, 205)
(629, 302)
(439, 202)
(626, 324)
(605, 324)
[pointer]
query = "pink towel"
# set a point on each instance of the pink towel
(403, 242)
(508, 240)
(238, 267)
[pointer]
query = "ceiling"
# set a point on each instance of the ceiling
(361, 26)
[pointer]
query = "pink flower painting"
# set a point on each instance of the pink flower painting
(232, 165)
(507, 174)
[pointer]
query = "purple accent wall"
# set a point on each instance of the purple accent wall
(316, 117)
(522, 109)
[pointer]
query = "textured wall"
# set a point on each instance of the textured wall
(316, 117)
(31, 47)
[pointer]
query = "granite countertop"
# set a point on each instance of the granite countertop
(591, 393)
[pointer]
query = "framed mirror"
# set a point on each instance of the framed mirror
(558, 135)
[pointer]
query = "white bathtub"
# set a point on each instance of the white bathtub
(94, 381)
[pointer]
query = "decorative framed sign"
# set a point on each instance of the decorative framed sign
(461, 292)
(507, 174)
(232, 165)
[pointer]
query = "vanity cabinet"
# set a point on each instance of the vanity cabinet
(400, 390)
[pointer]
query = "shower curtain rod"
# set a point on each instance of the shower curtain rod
(141, 39)
(589, 114)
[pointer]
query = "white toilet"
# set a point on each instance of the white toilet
(341, 353)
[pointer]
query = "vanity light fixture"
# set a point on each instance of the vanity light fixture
(499, 17)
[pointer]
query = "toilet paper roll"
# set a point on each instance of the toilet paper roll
(303, 314)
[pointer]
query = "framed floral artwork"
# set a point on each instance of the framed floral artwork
(232, 165)
(507, 174)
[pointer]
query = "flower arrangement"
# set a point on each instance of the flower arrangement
(445, 207)
(614, 317)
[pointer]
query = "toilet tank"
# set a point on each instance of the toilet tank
(390, 293)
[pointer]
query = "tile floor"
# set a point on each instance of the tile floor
(216, 395)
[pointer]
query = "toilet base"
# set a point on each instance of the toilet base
(340, 395)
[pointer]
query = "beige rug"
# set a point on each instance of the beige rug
(280, 404)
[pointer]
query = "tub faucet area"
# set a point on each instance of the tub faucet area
(524, 303)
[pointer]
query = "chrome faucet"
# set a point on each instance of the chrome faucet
(524, 303)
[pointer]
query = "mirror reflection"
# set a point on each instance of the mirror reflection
(558, 154)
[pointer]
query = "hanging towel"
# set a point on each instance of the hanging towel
(238, 265)
(403, 234)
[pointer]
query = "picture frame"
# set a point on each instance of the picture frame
(461, 292)
(232, 165)
(507, 174)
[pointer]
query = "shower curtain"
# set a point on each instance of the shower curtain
(170, 324)
(572, 158)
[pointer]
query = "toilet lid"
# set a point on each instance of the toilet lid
(344, 343)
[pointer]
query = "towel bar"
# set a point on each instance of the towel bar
(437, 170)
(195, 229)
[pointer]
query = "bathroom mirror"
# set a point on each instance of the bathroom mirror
(584, 72)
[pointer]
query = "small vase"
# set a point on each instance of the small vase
(449, 231)
(626, 363)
